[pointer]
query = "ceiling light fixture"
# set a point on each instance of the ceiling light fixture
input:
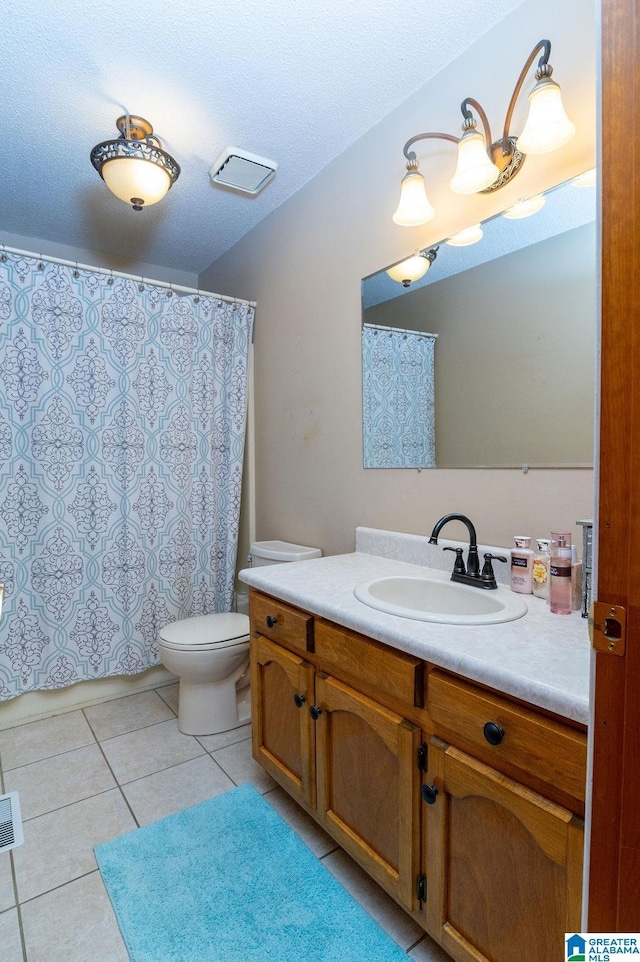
(135, 167)
(413, 268)
(482, 168)
(525, 208)
(466, 237)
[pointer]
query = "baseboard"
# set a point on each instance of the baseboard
(35, 705)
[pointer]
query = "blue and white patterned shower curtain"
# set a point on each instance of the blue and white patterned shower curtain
(398, 398)
(122, 417)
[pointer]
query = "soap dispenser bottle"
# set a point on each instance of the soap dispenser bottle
(522, 565)
(541, 561)
(560, 573)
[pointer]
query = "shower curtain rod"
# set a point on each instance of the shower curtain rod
(398, 330)
(129, 277)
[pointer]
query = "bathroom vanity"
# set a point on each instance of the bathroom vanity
(455, 780)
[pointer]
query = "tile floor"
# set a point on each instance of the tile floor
(85, 777)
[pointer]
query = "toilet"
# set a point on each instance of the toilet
(210, 655)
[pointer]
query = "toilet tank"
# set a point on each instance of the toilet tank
(277, 552)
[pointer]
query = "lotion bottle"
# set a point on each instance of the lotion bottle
(560, 573)
(541, 569)
(522, 566)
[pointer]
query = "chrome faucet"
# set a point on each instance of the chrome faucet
(469, 575)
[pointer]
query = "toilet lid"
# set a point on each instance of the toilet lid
(220, 630)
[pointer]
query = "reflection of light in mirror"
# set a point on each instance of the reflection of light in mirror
(466, 237)
(525, 208)
(413, 268)
(588, 179)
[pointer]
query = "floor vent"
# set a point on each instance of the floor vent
(241, 170)
(10, 822)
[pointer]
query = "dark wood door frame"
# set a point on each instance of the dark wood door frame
(614, 888)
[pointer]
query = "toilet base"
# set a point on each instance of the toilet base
(211, 708)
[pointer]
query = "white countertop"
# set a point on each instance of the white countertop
(541, 658)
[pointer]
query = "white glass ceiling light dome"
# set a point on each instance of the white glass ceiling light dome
(466, 237)
(135, 167)
(413, 268)
(525, 208)
(547, 126)
(414, 207)
(475, 171)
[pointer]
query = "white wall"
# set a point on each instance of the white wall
(303, 265)
(48, 248)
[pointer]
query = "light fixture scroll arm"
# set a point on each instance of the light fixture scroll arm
(411, 154)
(544, 69)
(470, 122)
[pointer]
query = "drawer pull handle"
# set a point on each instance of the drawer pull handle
(315, 712)
(299, 700)
(271, 621)
(493, 733)
(429, 794)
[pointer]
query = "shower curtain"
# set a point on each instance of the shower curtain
(122, 417)
(398, 398)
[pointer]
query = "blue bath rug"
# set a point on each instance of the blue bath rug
(229, 881)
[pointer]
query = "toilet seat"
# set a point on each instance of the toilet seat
(206, 632)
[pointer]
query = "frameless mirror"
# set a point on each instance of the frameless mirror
(488, 359)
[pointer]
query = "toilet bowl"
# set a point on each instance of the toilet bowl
(210, 655)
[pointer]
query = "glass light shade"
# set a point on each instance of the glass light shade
(410, 270)
(547, 126)
(414, 207)
(475, 170)
(132, 177)
(588, 179)
(466, 237)
(525, 208)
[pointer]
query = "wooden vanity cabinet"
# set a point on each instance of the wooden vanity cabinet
(475, 830)
(505, 863)
(348, 759)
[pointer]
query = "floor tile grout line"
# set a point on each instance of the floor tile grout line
(45, 758)
(167, 768)
(115, 778)
(76, 801)
(56, 888)
(141, 728)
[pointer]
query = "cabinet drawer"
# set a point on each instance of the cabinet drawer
(369, 664)
(280, 622)
(533, 743)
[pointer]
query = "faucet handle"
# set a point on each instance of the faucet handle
(458, 566)
(488, 576)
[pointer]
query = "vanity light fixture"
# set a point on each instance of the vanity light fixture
(588, 179)
(466, 237)
(482, 168)
(413, 268)
(525, 208)
(134, 166)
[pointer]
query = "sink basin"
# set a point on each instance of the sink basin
(446, 602)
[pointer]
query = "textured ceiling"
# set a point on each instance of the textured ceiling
(295, 81)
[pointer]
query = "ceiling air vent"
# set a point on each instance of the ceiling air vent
(241, 170)
(10, 822)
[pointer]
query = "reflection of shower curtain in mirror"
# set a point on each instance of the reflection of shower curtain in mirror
(122, 415)
(398, 398)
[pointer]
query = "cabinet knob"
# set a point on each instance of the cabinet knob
(429, 794)
(315, 712)
(271, 621)
(493, 732)
(299, 700)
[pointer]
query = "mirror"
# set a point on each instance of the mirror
(513, 320)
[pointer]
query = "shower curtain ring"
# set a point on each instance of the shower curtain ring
(3, 256)
(110, 279)
(40, 264)
(170, 291)
(141, 285)
(76, 272)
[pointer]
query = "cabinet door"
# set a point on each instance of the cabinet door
(369, 785)
(504, 864)
(283, 732)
